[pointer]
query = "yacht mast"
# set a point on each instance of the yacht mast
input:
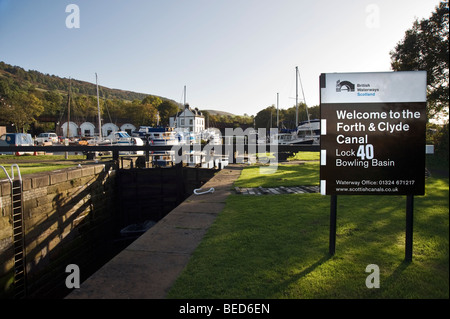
(278, 117)
(68, 108)
(304, 101)
(184, 108)
(98, 110)
(66, 154)
(296, 97)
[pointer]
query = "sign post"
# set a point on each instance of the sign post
(333, 219)
(373, 137)
(409, 227)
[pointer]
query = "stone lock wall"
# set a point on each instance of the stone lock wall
(69, 219)
(74, 216)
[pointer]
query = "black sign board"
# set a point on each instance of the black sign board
(373, 133)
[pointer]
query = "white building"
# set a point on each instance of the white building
(128, 127)
(73, 129)
(108, 128)
(192, 120)
(87, 129)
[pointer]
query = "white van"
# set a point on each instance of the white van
(16, 139)
(45, 138)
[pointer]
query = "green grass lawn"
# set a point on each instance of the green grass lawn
(285, 175)
(40, 163)
(306, 156)
(36, 164)
(31, 168)
(276, 246)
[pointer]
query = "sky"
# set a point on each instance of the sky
(237, 56)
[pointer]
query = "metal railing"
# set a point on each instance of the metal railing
(156, 148)
(18, 225)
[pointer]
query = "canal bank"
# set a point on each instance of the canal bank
(148, 267)
(83, 215)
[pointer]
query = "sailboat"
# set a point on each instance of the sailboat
(98, 139)
(298, 136)
(114, 138)
(309, 130)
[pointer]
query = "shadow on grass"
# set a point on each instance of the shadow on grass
(397, 280)
(284, 286)
(311, 268)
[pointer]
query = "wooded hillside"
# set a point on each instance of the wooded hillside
(31, 101)
(49, 82)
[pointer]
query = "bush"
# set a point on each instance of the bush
(441, 143)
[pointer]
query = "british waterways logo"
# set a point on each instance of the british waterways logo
(362, 89)
(345, 86)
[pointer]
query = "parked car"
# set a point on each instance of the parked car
(45, 138)
(16, 139)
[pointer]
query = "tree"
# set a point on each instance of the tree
(167, 109)
(266, 118)
(22, 110)
(115, 109)
(287, 117)
(5, 88)
(314, 112)
(84, 107)
(53, 103)
(440, 141)
(153, 100)
(426, 47)
(142, 114)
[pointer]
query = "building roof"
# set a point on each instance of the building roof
(195, 112)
